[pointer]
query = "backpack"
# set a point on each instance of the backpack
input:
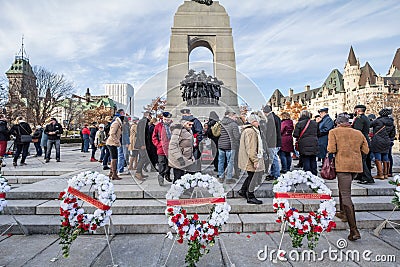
(216, 129)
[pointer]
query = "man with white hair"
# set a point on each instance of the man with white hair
(251, 158)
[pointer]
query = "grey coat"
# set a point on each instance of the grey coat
(230, 135)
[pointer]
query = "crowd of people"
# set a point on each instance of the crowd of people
(262, 144)
(42, 138)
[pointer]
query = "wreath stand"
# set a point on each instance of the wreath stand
(14, 223)
(108, 231)
(295, 195)
(392, 224)
(220, 241)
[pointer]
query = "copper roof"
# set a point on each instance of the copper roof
(367, 74)
(352, 57)
(396, 60)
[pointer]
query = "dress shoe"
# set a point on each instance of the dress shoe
(106, 168)
(231, 181)
(365, 182)
(242, 193)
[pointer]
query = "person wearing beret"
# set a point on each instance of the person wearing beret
(362, 123)
(161, 137)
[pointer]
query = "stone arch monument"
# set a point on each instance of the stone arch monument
(198, 25)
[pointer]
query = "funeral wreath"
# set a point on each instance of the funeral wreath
(200, 234)
(74, 220)
(300, 225)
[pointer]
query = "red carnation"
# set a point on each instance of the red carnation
(61, 195)
(170, 210)
(275, 205)
(195, 217)
(79, 217)
(300, 232)
(192, 238)
(180, 241)
(65, 223)
(94, 227)
(184, 213)
(203, 247)
(279, 221)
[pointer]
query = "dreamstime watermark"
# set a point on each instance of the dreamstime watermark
(341, 254)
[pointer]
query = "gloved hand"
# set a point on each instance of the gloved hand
(181, 161)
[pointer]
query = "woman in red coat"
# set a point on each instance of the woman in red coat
(287, 142)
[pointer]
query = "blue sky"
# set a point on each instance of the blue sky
(278, 44)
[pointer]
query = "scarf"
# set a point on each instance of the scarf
(167, 130)
(260, 150)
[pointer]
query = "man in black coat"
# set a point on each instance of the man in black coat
(22, 128)
(142, 137)
(212, 120)
(362, 123)
(54, 131)
(197, 130)
(272, 140)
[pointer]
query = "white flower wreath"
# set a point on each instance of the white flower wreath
(199, 233)
(396, 182)
(313, 223)
(4, 188)
(74, 219)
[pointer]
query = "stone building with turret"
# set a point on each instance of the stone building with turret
(341, 92)
(22, 90)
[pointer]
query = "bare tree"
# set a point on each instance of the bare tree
(52, 88)
(74, 110)
(3, 95)
(157, 106)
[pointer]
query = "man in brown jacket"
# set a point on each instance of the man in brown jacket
(348, 145)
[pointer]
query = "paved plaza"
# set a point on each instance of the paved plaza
(139, 223)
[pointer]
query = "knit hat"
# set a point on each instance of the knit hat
(101, 125)
(385, 112)
(252, 117)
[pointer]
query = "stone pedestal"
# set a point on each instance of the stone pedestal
(197, 25)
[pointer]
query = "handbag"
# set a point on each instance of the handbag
(25, 138)
(328, 171)
(296, 144)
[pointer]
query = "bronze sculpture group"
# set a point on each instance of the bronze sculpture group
(200, 89)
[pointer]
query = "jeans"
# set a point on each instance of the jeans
(310, 163)
(102, 152)
(163, 168)
(229, 155)
(273, 156)
(286, 160)
(121, 159)
(381, 156)
(85, 144)
(50, 144)
(38, 148)
(24, 147)
(106, 157)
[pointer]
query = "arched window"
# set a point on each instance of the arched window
(201, 58)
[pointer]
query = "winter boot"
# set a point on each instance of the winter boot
(130, 167)
(341, 214)
(386, 168)
(379, 168)
(251, 199)
(114, 175)
(139, 176)
(351, 217)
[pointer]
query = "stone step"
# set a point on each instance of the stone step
(129, 189)
(157, 206)
(28, 179)
(135, 224)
